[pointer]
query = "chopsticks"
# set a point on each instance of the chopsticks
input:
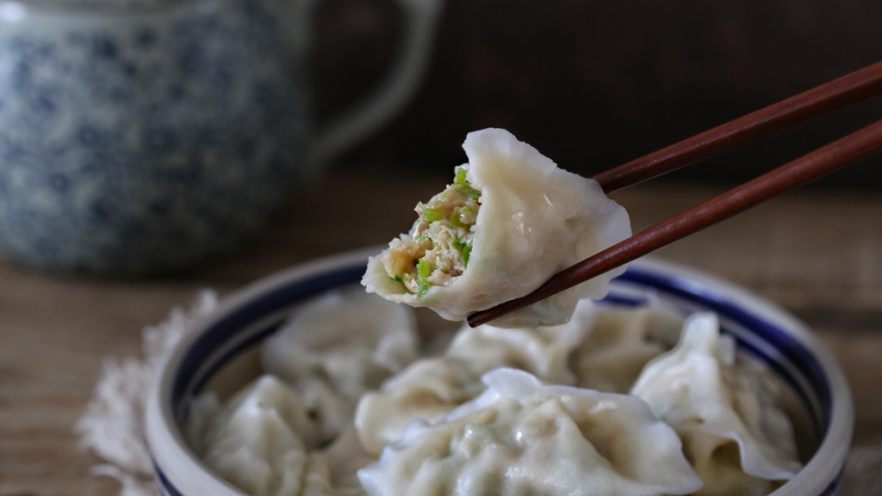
(838, 154)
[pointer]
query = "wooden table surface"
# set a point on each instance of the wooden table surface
(819, 254)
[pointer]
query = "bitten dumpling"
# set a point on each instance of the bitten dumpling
(522, 437)
(736, 437)
(510, 220)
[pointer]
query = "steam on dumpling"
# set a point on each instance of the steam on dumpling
(338, 346)
(522, 437)
(736, 437)
(510, 220)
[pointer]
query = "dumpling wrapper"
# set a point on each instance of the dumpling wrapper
(602, 345)
(432, 387)
(544, 351)
(620, 341)
(259, 440)
(332, 471)
(535, 219)
(715, 405)
(336, 347)
(346, 335)
(427, 389)
(523, 437)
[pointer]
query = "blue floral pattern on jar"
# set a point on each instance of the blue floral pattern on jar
(146, 143)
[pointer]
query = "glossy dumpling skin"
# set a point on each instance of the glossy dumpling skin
(736, 437)
(522, 437)
(338, 346)
(534, 220)
(259, 440)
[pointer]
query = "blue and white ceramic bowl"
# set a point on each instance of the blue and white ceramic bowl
(221, 356)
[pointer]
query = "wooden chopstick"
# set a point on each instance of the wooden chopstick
(851, 88)
(838, 154)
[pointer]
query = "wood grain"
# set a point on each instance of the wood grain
(817, 254)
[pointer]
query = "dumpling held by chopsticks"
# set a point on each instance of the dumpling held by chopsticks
(510, 220)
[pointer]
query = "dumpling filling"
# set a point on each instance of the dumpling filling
(437, 248)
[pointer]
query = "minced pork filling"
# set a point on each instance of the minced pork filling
(438, 246)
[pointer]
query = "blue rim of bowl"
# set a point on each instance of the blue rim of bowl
(193, 372)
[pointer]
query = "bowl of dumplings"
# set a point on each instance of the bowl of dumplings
(355, 375)
(674, 383)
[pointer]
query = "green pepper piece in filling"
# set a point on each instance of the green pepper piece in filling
(468, 191)
(454, 220)
(460, 175)
(464, 249)
(424, 270)
(432, 214)
(465, 215)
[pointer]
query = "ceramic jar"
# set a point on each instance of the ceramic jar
(146, 138)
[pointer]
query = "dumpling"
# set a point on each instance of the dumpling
(602, 347)
(429, 388)
(620, 342)
(543, 351)
(258, 441)
(734, 434)
(432, 387)
(331, 411)
(510, 220)
(336, 347)
(332, 472)
(522, 437)
(354, 339)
